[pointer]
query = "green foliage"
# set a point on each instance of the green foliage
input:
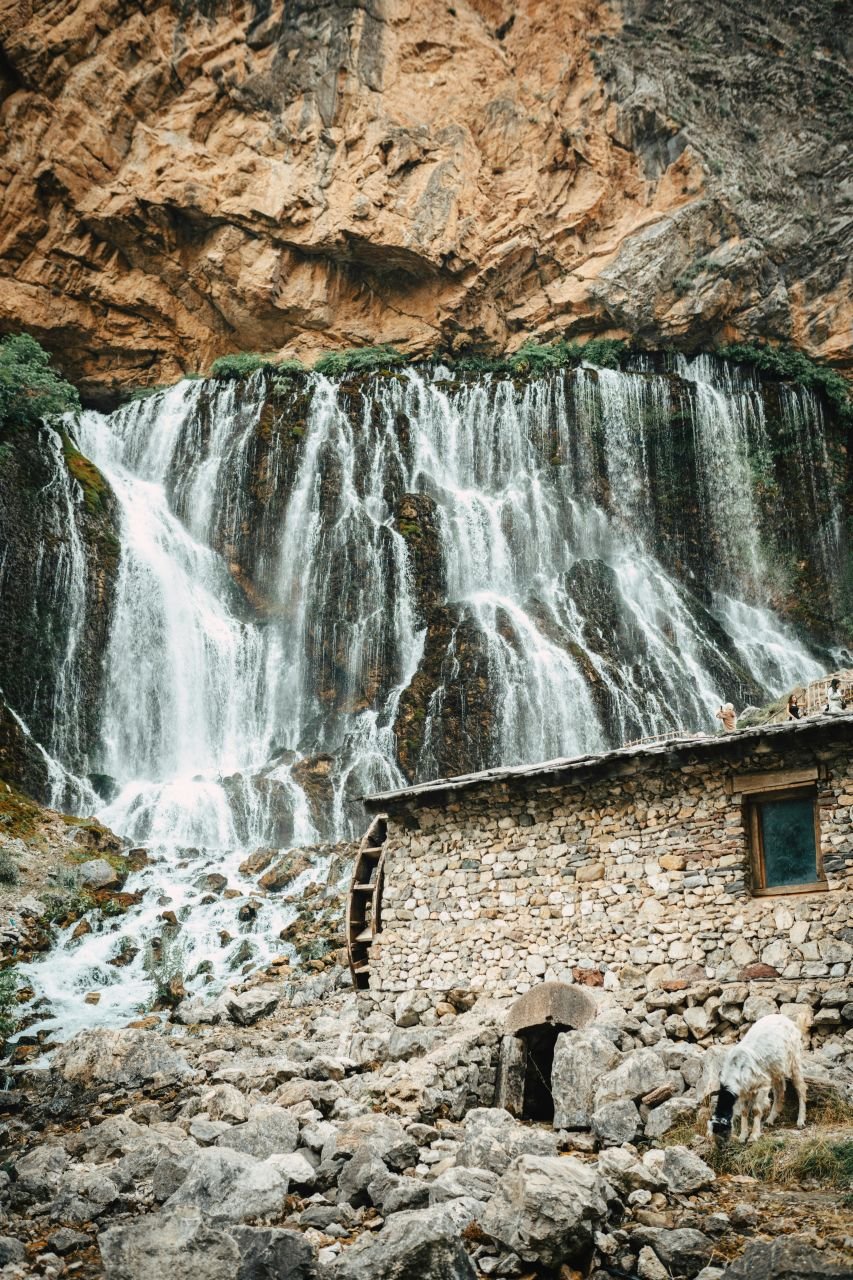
(359, 360)
(790, 365)
(30, 391)
(285, 372)
(240, 365)
(536, 358)
(607, 353)
(8, 991)
(8, 868)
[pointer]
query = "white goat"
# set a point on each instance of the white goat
(770, 1054)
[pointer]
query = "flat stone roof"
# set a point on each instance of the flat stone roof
(701, 745)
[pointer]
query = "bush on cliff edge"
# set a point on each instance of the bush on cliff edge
(30, 391)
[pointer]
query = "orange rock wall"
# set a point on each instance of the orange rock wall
(181, 179)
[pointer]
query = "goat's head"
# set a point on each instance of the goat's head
(720, 1124)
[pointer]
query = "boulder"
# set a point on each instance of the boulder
(681, 1170)
(683, 1251)
(38, 1174)
(453, 1183)
(224, 1102)
(384, 1135)
(250, 1006)
(580, 1059)
(11, 1251)
(422, 1244)
(269, 1131)
(627, 1173)
(546, 1209)
(229, 1186)
(785, 1259)
(668, 1115)
(492, 1139)
(182, 1244)
(637, 1074)
(84, 1194)
(273, 1253)
(98, 874)
(616, 1122)
(128, 1057)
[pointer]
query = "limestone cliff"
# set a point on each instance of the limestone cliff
(187, 179)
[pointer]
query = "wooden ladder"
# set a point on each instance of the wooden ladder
(364, 901)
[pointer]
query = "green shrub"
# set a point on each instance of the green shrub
(536, 357)
(30, 391)
(359, 360)
(607, 353)
(8, 868)
(241, 365)
(790, 365)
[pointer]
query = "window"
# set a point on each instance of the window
(784, 833)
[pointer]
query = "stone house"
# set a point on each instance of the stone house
(700, 880)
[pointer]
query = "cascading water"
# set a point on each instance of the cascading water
(270, 629)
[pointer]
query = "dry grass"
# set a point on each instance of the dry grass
(822, 1154)
(786, 1161)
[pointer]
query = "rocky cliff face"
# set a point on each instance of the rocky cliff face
(183, 180)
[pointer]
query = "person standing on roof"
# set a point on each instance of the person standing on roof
(794, 712)
(728, 716)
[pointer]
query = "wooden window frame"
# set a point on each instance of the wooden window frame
(752, 803)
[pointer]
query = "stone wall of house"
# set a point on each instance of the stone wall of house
(634, 873)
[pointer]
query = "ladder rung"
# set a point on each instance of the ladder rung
(362, 968)
(373, 851)
(364, 888)
(366, 935)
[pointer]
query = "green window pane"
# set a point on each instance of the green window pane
(787, 830)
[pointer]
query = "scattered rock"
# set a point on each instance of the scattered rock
(250, 1006)
(128, 1057)
(492, 1139)
(785, 1259)
(546, 1209)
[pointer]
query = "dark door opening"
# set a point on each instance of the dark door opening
(541, 1040)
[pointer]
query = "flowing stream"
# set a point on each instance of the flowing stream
(603, 603)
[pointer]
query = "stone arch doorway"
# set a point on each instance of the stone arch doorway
(532, 1027)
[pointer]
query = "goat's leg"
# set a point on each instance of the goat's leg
(761, 1105)
(778, 1098)
(742, 1110)
(800, 1086)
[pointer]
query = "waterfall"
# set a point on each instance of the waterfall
(594, 566)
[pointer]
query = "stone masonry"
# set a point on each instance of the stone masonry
(624, 870)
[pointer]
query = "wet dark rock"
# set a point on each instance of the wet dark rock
(43, 479)
(451, 692)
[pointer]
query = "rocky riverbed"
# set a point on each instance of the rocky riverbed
(285, 1129)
